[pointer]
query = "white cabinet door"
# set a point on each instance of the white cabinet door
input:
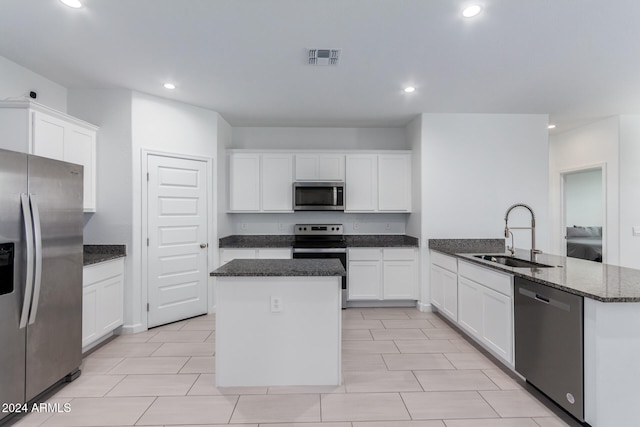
(470, 306)
(80, 148)
(450, 291)
(437, 286)
(400, 279)
(365, 280)
(319, 167)
(244, 182)
(361, 183)
(89, 315)
(277, 182)
(48, 136)
(110, 313)
(394, 182)
(497, 320)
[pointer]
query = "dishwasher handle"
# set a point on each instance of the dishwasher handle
(545, 300)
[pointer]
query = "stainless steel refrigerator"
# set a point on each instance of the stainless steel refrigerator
(41, 250)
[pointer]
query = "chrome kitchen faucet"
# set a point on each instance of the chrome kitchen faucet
(507, 230)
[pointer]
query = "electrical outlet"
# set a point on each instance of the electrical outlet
(387, 226)
(281, 226)
(356, 225)
(276, 304)
(243, 226)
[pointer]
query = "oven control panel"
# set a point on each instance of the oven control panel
(318, 229)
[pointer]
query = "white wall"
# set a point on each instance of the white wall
(303, 138)
(173, 127)
(629, 190)
(583, 198)
(474, 166)
(17, 82)
(225, 133)
(112, 223)
(583, 148)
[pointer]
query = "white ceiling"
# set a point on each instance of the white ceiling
(576, 60)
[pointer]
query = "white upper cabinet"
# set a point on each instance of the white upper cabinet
(320, 167)
(32, 128)
(260, 182)
(361, 184)
(277, 185)
(378, 182)
(394, 183)
(244, 182)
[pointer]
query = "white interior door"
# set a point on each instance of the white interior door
(177, 233)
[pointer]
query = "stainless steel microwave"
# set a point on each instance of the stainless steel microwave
(318, 196)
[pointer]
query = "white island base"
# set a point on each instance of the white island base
(258, 345)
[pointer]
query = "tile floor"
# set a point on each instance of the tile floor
(401, 368)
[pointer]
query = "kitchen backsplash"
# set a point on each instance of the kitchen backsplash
(284, 223)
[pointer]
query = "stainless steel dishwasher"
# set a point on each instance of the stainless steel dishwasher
(549, 343)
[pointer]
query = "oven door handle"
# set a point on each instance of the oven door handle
(320, 250)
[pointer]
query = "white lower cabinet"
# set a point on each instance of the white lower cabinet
(229, 254)
(102, 300)
(485, 308)
(444, 285)
(383, 274)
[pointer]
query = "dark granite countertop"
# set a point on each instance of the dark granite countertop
(601, 282)
(286, 241)
(94, 254)
(281, 267)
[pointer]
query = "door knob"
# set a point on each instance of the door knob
(203, 245)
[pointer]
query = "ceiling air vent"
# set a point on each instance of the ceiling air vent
(323, 56)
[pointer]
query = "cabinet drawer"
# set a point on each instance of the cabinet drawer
(364, 254)
(499, 282)
(95, 273)
(447, 262)
(404, 254)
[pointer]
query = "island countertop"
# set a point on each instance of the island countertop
(281, 267)
(600, 282)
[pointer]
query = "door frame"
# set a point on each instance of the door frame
(563, 203)
(212, 224)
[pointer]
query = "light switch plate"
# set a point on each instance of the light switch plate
(636, 230)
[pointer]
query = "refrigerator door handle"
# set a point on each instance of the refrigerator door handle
(37, 237)
(28, 288)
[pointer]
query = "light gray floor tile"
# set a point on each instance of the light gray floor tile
(185, 349)
(277, 409)
(411, 362)
(363, 382)
(470, 360)
(425, 346)
(494, 422)
(445, 333)
(427, 423)
(200, 325)
(199, 365)
(361, 324)
(398, 334)
(356, 335)
(206, 386)
(515, 403)
(463, 346)
(447, 405)
(90, 411)
(338, 424)
(385, 315)
(90, 386)
(407, 324)
(370, 347)
(154, 385)
(363, 407)
(150, 365)
(550, 422)
(98, 365)
(180, 336)
(305, 389)
(136, 338)
(501, 379)
(362, 362)
(453, 380)
(189, 410)
(33, 418)
(117, 349)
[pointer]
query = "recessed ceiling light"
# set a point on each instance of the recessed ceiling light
(409, 89)
(72, 3)
(471, 11)
(551, 126)
(169, 86)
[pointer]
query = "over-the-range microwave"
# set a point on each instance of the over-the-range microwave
(318, 196)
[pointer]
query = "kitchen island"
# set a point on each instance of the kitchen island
(611, 315)
(278, 322)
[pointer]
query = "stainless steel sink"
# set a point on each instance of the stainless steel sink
(513, 262)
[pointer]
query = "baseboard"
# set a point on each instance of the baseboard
(375, 303)
(425, 307)
(132, 329)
